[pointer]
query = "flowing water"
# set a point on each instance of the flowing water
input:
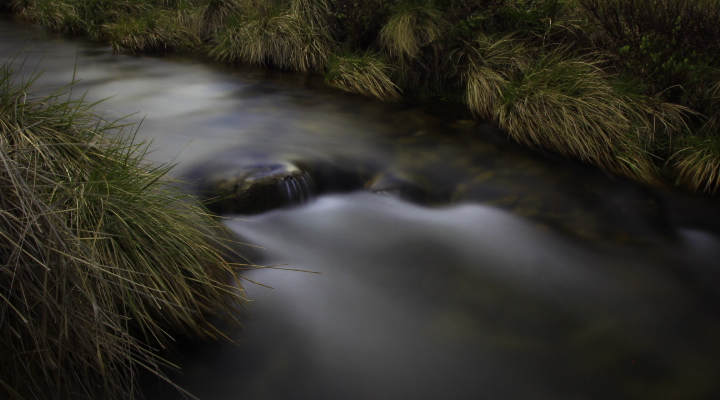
(446, 262)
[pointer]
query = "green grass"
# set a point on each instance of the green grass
(103, 260)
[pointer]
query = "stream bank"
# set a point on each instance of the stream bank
(495, 291)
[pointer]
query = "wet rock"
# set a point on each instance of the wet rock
(399, 185)
(238, 181)
(256, 187)
(338, 175)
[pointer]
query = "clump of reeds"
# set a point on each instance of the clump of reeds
(210, 16)
(695, 160)
(413, 39)
(491, 64)
(61, 16)
(273, 36)
(101, 258)
(311, 12)
(78, 16)
(155, 31)
(410, 28)
(696, 164)
(568, 105)
(363, 74)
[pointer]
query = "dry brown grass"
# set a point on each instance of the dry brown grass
(289, 36)
(696, 164)
(366, 75)
(409, 29)
(155, 31)
(570, 106)
(695, 161)
(283, 39)
(492, 63)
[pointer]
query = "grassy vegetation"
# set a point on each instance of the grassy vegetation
(365, 74)
(409, 29)
(268, 35)
(697, 163)
(569, 76)
(156, 30)
(102, 259)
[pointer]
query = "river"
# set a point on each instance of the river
(504, 274)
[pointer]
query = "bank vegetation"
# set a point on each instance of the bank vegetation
(103, 262)
(631, 86)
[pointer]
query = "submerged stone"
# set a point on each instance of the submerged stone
(399, 185)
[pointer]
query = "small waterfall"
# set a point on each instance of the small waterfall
(297, 189)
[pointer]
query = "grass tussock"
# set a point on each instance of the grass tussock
(411, 28)
(570, 106)
(313, 13)
(209, 17)
(492, 63)
(79, 16)
(156, 31)
(488, 53)
(274, 37)
(366, 75)
(101, 258)
(695, 160)
(696, 164)
(60, 16)
(413, 39)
